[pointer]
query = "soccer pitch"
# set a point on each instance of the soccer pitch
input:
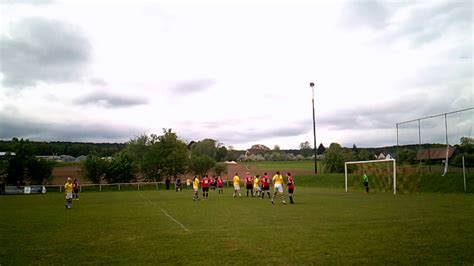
(325, 226)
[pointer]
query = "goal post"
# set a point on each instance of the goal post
(370, 162)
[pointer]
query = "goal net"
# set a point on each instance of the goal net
(382, 174)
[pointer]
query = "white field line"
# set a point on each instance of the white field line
(164, 212)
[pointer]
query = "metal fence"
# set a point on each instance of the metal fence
(138, 186)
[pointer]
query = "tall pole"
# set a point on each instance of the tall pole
(314, 133)
(419, 139)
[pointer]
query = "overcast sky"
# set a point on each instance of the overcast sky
(239, 73)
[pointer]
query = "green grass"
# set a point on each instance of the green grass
(325, 226)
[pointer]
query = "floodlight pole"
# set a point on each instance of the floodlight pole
(311, 84)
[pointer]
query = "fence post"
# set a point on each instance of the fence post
(138, 186)
(60, 187)
(156, 186)
(464, 174)
(100, 187)
(119, 186)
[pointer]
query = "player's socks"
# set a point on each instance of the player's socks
(291, 199)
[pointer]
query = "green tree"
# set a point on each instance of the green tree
(200, 165)
(138, 148)
(220, 168)
(221, 153)
(365, 155)
(205, 147)
(170, 154)
(321, 149)
(276, 148)
(355, 152)
(94, 168)
(335, 157)
(120, 169)
(306, 149)
(22, 165)
(38, 171)
(406, 156)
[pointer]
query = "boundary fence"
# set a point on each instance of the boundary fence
(138, 186)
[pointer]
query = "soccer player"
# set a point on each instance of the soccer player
(219, 182)
(68, 193)
(75, 189)
(236, 185)
(196, 188)
(178, 184)
(265, 185)
(248, 184)
(205, 186)
(278, 187)
(256, 185)
(366, 182)
(291, 187)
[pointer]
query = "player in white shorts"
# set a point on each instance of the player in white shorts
(278, 187)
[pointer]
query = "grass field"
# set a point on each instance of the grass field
(325, 226)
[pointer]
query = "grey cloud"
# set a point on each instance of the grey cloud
(28, 128)
(25, 2)
(428, 24)
(192, 86)
(425, 22)
(366, 13)
(110, 100)
(231, 134)
(98, 81)
(37, 49)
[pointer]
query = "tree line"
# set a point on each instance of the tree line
(154, 158)
(67, 148)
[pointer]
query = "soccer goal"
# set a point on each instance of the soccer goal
(391, 167)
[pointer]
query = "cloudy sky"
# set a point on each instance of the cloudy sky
(106, 71)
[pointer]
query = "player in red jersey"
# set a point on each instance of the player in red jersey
(205, 183)
(265, 185)
(291, 187)
(219, 182)
(249, 184)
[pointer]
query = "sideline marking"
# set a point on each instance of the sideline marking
(165, 213)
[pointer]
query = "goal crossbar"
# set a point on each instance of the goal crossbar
(374, 161)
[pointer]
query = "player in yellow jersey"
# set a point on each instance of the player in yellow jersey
(196, 182)
(68, 192)
(256, 185)
(278, 187)
(236, 185)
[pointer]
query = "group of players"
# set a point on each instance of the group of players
(256, 186)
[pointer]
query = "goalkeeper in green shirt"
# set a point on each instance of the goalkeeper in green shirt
(366, 183)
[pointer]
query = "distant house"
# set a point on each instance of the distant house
(390, 156)
(435, 154)
(4, 153)
(381, 156)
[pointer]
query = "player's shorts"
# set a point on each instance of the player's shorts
(266, 188)
(249, 186)
(257, 188)
(205, 189)
(219, 186)
(196, 189)
(291, 189)
(278, 187)
(236, 187)
(69, 195)
(366, 184)
(76, 190)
